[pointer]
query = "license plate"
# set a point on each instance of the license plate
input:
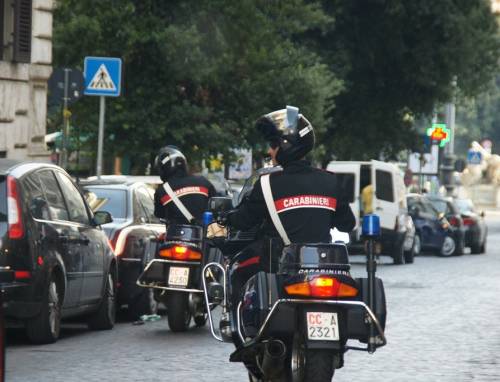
(322, 326)
(178, 276)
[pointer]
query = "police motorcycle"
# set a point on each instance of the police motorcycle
(176, 271)
(296, 322)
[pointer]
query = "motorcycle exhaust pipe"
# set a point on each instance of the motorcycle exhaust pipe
(273, 361)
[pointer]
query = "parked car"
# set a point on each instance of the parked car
(388, 202)
(62, 262)
(476, 231)
(433, 232)
(446, 206)
(134, 234)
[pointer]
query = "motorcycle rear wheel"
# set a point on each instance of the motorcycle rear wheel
(178, 314)
(310, 364)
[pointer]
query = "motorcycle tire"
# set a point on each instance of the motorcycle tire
(317, 364)
(178, 314)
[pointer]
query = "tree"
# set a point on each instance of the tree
(398, 59)
(196, 74)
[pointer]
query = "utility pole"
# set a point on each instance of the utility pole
(448, 165)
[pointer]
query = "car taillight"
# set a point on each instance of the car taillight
(16, 228)
(119, 242)
(22, 275)
(469, 221)
(454, 221)
(321, 286)
(179, 252)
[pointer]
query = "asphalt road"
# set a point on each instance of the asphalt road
(442, 326)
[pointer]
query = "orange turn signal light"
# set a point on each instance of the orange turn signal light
(179, 252)
(321, 286)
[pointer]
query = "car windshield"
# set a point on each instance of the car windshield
(106, 199)
(439, 205)
(464, 205)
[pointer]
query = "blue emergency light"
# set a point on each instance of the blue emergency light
(371, 225)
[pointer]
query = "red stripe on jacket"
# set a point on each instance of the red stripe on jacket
(185, 191)
(305, 201)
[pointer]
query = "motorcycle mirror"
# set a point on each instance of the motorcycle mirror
(218, 204)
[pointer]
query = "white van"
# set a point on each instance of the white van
(388, 202)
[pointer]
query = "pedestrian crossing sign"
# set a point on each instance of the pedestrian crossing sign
(102, 76)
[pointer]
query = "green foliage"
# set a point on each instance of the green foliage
(198, 73)
(399, 58)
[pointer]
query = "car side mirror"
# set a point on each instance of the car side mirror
(219, 204)
(102, 217)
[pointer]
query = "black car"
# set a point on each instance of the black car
(63, 265)
(476, 231)
(134, 234)
(446, 207)
(433, 232)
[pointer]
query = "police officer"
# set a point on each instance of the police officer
(308, 201)
(193, 191)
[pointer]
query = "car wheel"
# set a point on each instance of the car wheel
(398, 254)
(414, 251)
(459, 250)
(45, 328)
(483, 247)
(448, 247)
(104, 317)
(144, 304)
(475, 249)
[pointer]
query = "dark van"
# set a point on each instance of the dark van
(62, 263)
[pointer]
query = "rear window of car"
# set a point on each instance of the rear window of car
(3, 199)
(105, 199)
(464, 205)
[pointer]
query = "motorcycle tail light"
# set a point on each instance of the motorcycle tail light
(321, 287)
(180, 252)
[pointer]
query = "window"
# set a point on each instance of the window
(113, 201)
(383, 187)
(35, 198)
(15, 30)
(147, 203)
(346, 184)
(76, 205)
(3, 199)
(53, 196)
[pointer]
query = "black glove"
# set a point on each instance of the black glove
(224, 217)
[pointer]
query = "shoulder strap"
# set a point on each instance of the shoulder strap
(178, 202)
(268, 197)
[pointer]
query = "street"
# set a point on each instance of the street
(442, 326)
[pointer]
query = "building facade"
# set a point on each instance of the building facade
(25, 66)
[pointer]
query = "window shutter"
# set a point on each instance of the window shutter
(22, 31)
(2, 22)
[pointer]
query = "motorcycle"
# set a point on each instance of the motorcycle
(296, 322)
(176, 272)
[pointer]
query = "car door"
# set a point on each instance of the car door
(91, 241)
(59, 237)
(385, 203)
(433, 235)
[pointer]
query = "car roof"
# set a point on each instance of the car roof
(119, 180)
(7, 164)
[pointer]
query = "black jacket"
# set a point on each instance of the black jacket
(308, 200)
(193, 191)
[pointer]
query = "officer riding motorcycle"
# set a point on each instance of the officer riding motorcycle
(289, 303)
(175, 273)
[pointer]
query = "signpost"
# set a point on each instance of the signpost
(66, 85)
(103, 79)
(474, 157)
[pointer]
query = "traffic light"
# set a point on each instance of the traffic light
(439, 133)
